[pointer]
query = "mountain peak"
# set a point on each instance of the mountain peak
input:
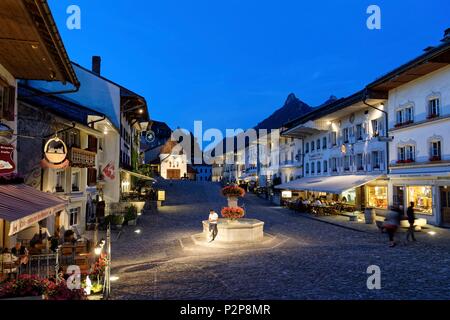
(292, 109)
(291, 98)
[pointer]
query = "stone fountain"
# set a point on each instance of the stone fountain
(233, 228)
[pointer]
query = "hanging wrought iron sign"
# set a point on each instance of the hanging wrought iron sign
(55, 154)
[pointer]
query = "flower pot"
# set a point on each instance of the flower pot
(370, 216)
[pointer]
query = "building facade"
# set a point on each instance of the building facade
(344, 138)
(419, 122)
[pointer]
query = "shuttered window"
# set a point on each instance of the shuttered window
(92, 144)
(7, 102)
(91, 177)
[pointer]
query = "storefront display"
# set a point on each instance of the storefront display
(348, 196)
(422, 198)
(377, 197)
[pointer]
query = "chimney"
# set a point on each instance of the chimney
(446, 36)
(96, 64)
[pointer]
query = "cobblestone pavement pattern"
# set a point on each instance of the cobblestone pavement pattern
(310, 259)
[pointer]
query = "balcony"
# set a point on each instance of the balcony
(80, 158)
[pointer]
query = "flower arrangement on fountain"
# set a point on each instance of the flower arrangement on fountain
(233, 192)
(233, 213)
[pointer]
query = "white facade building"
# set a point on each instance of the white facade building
(342, 138)
(419, 122)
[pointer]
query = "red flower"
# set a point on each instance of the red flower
(233, 213)
(233, 191)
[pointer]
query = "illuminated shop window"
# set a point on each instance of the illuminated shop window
(377, 197)
(422, 198)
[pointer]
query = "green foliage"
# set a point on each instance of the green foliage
(131, 213)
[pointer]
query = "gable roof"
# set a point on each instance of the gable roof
(433, 59)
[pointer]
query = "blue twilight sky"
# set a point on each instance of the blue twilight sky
(231, 63)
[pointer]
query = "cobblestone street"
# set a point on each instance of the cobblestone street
(309, 259)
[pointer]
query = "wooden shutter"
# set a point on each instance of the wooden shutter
(92, 144)
(91, 177)
(9, 103)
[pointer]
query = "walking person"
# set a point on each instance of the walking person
(391, 225)
(213, 220)
(411, 219)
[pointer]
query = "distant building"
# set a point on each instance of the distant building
(173, 161)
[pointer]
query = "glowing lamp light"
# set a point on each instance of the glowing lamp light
(113, 278)
(141, 111)
(432, 233)
(138, 231)
(98, 251)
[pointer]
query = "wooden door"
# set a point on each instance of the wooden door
(173, 174)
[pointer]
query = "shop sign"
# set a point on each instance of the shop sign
(7, 164)
(161, 195)
(21, 224)
(286, 194)
(55, 154)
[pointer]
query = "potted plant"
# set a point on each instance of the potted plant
(131, 215)
(233, 213)
(232, 193)
(115, 220)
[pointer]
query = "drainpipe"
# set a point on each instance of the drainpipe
(91, 124)
(386, 129)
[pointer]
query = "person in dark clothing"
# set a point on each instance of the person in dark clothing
(411, 219)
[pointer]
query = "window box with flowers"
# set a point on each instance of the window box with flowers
(405, 161)
(435, 158)
(402, 124)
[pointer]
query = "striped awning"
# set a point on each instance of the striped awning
(24, 206)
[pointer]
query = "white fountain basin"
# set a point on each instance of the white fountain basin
(240, 230)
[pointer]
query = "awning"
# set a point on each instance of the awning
(24, 206)
(334, 184)
(138, 175)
